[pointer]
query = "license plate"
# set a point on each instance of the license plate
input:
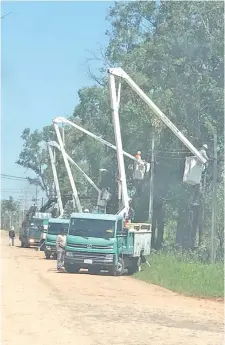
(87, 261)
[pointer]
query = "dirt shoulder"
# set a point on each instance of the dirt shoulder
(41, 306)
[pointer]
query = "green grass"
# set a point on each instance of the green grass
(188, 278)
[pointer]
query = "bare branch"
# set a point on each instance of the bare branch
(92, 76)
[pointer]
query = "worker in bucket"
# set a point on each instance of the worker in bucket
(12, 236)
(138, 155)
(60, 247)
(203, 150)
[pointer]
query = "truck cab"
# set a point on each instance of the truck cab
(30, 235)
(54, 226)
(100, 242)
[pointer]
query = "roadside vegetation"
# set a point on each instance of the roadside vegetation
(185, 275)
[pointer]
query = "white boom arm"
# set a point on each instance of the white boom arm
(119, 72)
(56, 145)
(76, 200)
(103, 141)
(119, 147)
(56, 181)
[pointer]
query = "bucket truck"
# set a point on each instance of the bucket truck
(101, 242)
(95, 242)
(34, 225)
(55, 224)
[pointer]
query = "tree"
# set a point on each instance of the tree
(9, 212)
(34, 157)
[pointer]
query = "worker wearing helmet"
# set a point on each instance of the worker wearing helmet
(138, 155)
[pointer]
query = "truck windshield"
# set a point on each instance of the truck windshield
(54, 228)
(34, 231)
(37, 223)
(92, 228)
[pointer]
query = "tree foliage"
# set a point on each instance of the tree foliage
(9, 208)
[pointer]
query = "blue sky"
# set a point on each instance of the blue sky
(44, 63)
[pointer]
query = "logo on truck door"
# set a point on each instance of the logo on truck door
(89, 246)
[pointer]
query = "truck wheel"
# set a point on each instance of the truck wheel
(93, 270)
(22, 244)
(71, 268)
(118, 270)
(135, 266)
(48, 256)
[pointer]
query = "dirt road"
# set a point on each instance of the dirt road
(42, 307)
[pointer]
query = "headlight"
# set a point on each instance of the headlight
(31, 240)
(69, 254)
(109, 256)
(48, 248)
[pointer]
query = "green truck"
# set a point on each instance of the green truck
(30, 233)
(54, 226)
(101, 242)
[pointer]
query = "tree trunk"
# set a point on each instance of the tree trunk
(188, 220)
(160, 225)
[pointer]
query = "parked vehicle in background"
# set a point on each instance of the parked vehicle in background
(30, 235)
(54, 226)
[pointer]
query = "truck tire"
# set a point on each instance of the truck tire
(118, 270)
(135, 266)
(22, 244)
(48, 256)
(71, 268)
(94, 270)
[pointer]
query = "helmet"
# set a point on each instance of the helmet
(139, 152)
(205, 146)
(86, 210)
(12, 228)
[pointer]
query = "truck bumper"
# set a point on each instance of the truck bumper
(33, 244)
(50, 250)
(82, 260)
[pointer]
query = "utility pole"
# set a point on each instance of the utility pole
(25, 202)
(214, 187)
(151, 189)
(36, 197)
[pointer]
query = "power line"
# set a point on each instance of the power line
(6, 176)
(5, 15)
